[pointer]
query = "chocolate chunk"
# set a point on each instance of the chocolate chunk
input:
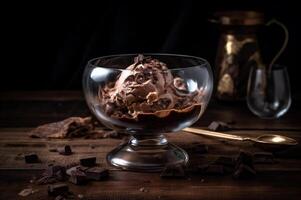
(31, 158)
(244, 172)
(75, 168)
(139, 59)
(58, 189)
(263, 158)
(52, 174)
(219, 126)
(88, 162)
(173, 171)
(54, 170)
(65, 150)
(97, 173)
(78, 177)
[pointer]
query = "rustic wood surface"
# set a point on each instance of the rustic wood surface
(20, 112)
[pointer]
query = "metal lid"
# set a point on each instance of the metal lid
(247, 18)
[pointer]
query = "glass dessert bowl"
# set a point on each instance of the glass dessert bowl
(146, 96)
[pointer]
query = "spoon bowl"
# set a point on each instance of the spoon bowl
(274, 142)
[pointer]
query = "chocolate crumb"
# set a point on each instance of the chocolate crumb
(65, 150)
(26, 192)
(143, 189)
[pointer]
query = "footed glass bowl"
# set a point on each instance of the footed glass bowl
(146, 96)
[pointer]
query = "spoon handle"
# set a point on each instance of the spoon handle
(214, 134)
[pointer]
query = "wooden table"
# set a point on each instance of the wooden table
(21, 111)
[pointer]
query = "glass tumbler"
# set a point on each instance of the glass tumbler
(269, 94)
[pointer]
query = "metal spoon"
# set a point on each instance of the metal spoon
(268, 142)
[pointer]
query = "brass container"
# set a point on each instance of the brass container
(237, 52)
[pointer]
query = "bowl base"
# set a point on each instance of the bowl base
(147, 154)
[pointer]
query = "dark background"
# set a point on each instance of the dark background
(46, 45)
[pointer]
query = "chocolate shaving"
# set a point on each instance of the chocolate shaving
(68, 128)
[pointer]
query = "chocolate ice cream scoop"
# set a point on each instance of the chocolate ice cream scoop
(147, 87)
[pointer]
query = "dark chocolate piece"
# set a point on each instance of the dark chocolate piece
(52, 174)
(173, 171)
(219, 126)
(97, 173)
(65, 150)
(31, 158)
(58, 189)
(88, 161)
(54, 170)
(78, 177)
(68, 171)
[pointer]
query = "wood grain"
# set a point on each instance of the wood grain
(18, 114)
